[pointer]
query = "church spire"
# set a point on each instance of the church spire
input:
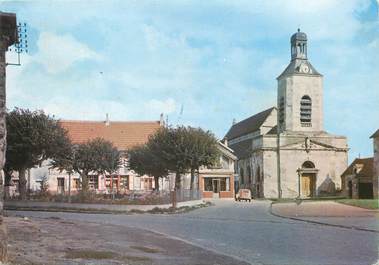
(299, 45)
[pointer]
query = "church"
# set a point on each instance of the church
(284, 152)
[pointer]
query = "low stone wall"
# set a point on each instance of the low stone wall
(33, 205)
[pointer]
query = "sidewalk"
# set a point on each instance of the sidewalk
(329, 213)
(88, 207)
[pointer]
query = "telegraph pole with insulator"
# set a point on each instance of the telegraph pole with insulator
(9, 36)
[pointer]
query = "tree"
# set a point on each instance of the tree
(169, 146)
(32, 138)
(202, 150)
(94, 156)
(44, 188)
(143, 161)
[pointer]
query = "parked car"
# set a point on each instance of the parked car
(243, 194)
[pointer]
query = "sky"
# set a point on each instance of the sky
(201, 63)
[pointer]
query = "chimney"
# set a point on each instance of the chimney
(234, 121)
(107, 122)
(161, 120)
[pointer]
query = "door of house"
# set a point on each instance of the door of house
(60, 185)
(350, 187)
(216, 188)
(365, 191)
(307, 185)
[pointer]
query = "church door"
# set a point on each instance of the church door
(307, 185)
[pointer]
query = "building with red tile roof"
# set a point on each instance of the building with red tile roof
(123, 134)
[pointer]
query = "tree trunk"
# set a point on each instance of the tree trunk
(22, 184)
(192, 179)
(85, 188)
(177, 181)
(192, 183)
(69, 187)
(176, 190)
(156, 181)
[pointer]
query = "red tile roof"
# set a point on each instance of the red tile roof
(123, 135)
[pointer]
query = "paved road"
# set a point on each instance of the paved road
(251, 233)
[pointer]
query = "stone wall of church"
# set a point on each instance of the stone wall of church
(292, 89)
(270, 174)
(252, 173)
(330, 165)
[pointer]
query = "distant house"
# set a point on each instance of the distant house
(218, 181)
(375, 138)
(357, 179)
(123, 134)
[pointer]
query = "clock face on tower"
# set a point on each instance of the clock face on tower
(304, 68)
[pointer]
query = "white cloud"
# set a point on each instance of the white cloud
(58, 52)
(324, 19)
(160, 106)
(86, 109)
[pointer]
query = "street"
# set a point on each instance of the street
(247, 231)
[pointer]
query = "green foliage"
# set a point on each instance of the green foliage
(178, 150)
(143, 161)
(94, 156)
(32, 137)
(44, 185)
(97, 155)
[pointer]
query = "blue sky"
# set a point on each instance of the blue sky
(202, 63)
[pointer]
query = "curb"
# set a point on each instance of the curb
(155, 210)
(322, 223)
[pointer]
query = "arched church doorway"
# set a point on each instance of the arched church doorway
(307, 181)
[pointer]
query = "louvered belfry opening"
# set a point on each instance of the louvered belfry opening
(306, 111)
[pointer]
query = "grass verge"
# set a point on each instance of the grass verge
(297, 200)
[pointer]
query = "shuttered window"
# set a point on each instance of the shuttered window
(306, 111)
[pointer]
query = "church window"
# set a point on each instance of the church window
(308, 164)
(306, 111)
(258, 176)
(241, 176)
(249, 174)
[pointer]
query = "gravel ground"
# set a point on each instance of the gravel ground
(57, 241)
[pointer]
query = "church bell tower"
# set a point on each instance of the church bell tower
(300, 91)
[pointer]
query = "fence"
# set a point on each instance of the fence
(132, 197)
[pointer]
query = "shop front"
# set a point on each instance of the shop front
(217, 186)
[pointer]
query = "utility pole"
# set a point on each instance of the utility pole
(278, 151)
(8, 37)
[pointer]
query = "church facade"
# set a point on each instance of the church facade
(284, 151)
